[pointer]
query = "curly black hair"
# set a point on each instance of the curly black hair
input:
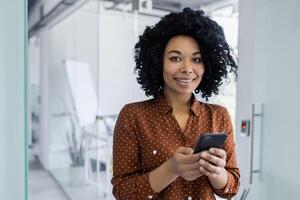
(217, 55)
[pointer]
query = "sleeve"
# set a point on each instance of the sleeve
(129, 183)
(232, 186)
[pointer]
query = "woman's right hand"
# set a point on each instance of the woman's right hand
(185, 164)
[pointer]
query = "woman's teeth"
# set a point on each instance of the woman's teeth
(184, 81)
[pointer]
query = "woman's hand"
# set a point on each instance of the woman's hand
(186, 164)
(212, 162)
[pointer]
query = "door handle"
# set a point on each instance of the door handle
(253, 135)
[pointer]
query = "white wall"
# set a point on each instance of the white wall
(244, 101)
(118, 84)
(106, 41)
(44, 91)
(33, 61)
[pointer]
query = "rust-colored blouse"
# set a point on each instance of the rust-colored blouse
(147, 134)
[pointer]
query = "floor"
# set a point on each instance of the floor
(62, 184)
(77, 189)
(41, 184)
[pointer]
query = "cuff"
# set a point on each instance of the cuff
(226, 191)
(143, 185)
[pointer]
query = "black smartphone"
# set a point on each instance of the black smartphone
(208, 140)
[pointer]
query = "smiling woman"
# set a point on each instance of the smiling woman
(216, 54)
(183, 54)
(183, 70)
(183, 67)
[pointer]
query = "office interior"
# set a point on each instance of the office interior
(82, 62)
(80, 73)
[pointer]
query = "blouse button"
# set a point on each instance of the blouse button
(154, 152)
(189, 198)
(150, 196)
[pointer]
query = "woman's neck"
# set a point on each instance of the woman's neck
(179, 103)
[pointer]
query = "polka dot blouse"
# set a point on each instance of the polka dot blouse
(147, 134)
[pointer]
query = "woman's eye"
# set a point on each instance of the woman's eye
(197, 60)
(175, 59)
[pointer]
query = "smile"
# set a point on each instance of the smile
(184, 82)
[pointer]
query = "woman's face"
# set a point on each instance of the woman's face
(183, 67)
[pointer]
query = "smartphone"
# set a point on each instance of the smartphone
(208, 140)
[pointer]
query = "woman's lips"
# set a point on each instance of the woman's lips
(184, 81)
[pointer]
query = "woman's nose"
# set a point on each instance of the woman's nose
(186, 68)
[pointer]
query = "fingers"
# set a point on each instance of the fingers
(188, 159)
(186, 164)
(213, 158)
(187, 156)
(208, 173)
(193, 166)
(208, 167)
(212, 162)
(218, 152)
(192, 174)
(185, 150)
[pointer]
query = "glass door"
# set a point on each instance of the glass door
(13, 104)
(275, 96)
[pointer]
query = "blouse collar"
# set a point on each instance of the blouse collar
(166, 108)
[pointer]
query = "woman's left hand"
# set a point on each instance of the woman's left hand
(212, 162)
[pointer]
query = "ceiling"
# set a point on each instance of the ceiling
(174, 5)
(148, 7)
(167, 5)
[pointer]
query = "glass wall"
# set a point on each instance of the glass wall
(13, 106)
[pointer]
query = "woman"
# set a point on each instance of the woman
(153, 145)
